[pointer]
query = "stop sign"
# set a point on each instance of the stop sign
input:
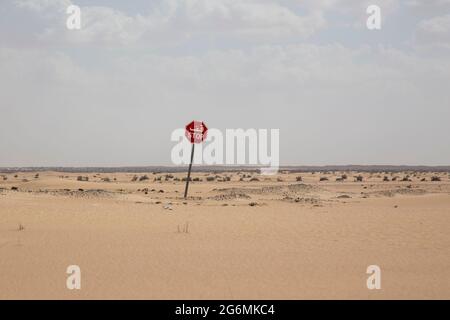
(196, 131)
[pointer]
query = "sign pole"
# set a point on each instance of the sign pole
(189, 172)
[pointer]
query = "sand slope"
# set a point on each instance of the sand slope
(298, 240)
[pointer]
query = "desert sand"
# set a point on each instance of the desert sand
(252, 237)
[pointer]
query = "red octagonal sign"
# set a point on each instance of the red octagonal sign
(196, 131)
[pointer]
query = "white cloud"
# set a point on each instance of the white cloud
(43, 5)
(436, 25)
(368, 101)
(426, 3)
(175, 20)
(66, 103)
(434, 32)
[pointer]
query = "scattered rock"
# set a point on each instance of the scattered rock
(230, 195)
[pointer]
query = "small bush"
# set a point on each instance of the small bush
(145, 177)
(81, 178)
(359, 178)
(135, 178)
(435, 178)
(254, 179)
(298, 178)
(386, 178)
(323, 179)
(210, 178)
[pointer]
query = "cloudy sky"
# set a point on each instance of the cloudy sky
(111, 93)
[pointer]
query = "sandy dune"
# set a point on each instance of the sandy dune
(276, 238)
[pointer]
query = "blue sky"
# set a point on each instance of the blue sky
(112, 92)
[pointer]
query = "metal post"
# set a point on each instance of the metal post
(189, 172)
